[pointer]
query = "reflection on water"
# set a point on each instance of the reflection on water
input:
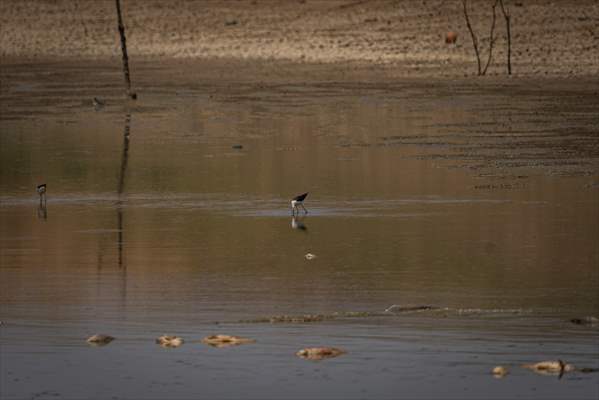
(298, 223)
(122, 174)
(42, 211)
(415, 201)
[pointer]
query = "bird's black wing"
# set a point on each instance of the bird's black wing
(301, 197)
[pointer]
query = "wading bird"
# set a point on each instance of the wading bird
(41, 190)
(98, 103)
(298, 201)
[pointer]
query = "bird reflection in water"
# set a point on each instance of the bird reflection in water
(297, 223)
(42, 211)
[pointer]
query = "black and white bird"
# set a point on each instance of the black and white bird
(41, 190)
(98, 103)
(298, 201)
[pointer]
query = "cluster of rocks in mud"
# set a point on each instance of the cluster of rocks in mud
(99, 340)
(590, 321)
(307, 318)
(319, 353)
(553, 367)
(311, 353)
(220, 341)
(226, 340)
(169, 341)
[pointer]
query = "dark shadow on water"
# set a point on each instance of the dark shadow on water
(298, 223)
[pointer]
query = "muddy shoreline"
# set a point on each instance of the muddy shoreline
(509, 125)
(407, 38)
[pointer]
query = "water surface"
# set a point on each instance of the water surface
(480, 200)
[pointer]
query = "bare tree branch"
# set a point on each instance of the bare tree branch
(474, 39)
(506, 15)
(491, 39)
(124, 49)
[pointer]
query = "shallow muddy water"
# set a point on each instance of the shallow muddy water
(478, 200)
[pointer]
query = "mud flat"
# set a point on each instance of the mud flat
(406, 38)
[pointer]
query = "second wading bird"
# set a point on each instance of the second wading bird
(41, 190)
(298, 201)
(97, 103)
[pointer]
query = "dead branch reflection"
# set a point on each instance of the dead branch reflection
(121, 187)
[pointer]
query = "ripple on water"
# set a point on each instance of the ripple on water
(258, 207)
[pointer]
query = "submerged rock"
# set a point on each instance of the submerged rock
(554, 367)
(396, 308)
(299, 318)
(307, 318)
(99, 340)
(226, 340)
(291, 319)
(590, 321)
(169, 341)
(359, 314)
(319, 353)
(499, 371)
(587, 370)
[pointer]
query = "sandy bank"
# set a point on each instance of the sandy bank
(549, 38)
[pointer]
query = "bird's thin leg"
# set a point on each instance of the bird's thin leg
(306, 211)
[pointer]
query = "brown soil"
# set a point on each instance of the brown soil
(407, 37)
